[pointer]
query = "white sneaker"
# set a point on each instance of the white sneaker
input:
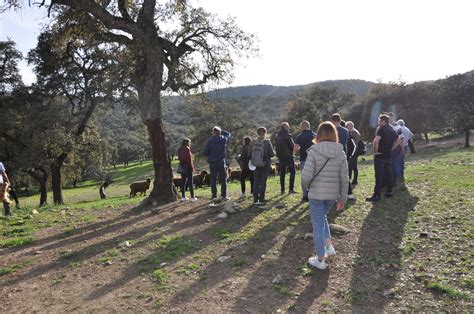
(193, 199)
(329, 250)
(351, 197)
(225, 198)
(184, 199)
(315, 262)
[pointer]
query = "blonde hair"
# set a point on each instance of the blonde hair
(326, 133)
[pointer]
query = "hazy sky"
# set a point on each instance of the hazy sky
(304, 41)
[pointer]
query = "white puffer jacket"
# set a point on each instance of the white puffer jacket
(333, 181)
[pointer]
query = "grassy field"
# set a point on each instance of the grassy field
(413, 252)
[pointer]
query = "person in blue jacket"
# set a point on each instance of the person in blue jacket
(215, 151)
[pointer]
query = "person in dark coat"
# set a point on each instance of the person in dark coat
(284, 147)
(185, 157)
(215, 151)
(243, 160)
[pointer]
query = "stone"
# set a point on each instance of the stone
(237, 207)
(280, 205)
(108, 263)
(338, 229)
(163, 264)
(424, 235)
(224, 258)
(222, 215)
(29, 216)
(390, 292)
(308, 236)
(34, 211)
(124, 245)
(263, 256)
(229, 207)
(277, 280)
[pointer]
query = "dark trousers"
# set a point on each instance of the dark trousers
(218, 168)
(187, 181)
(246, 173)
(284, 164)
(383, 174)
(352, 163)
(6, 208)
(260, 176)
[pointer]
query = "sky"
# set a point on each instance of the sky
(305, 41)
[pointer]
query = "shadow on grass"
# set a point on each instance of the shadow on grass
(379, 256)
(90, 251)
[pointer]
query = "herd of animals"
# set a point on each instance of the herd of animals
(201, 179)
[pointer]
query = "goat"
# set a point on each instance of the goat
(273, 170)
(235, 175)
(199, 179)
(139, 187)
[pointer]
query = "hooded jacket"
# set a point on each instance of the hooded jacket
(216, 147)
(333, 181)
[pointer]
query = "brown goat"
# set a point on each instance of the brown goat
(235, 175)
(199, 179)
(273, 170)
(297, 165)
(139, 187)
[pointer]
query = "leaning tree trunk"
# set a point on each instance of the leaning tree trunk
(41, 176)
(163, 187)
(467, 134)
(149, 86)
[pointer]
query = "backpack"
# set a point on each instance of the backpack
(258, 154)
(361, 148)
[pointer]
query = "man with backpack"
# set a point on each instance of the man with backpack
(215, 151)
(284, 150)
(262, 152)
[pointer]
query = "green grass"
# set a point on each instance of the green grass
(12, 242)
(160, 276)
(449, 291)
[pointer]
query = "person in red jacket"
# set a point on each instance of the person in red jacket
(185, 157)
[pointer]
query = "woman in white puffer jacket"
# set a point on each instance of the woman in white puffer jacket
(325, 176)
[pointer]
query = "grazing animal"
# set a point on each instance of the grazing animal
(273, 170)
(139, 187)
(229, 172)
(277, 167)
(207, 179)
(199, 179)
(235, 175)
(177, 181)
(297, 166)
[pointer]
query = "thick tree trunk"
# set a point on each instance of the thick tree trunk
(56, 185)
(163, 187)
(467, 134)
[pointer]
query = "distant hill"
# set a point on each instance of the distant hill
(359, 87)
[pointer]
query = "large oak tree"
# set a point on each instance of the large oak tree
(173, 47)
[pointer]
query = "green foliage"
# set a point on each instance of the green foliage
(160, 276)
(13, 242)
(449, 291)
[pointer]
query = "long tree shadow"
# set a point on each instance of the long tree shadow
(152, 261)
(379, 256)
(94, 229)
(264, 239)
(90, 251)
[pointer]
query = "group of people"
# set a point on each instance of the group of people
(328, 160)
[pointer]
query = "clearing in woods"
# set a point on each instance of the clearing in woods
(412, 252)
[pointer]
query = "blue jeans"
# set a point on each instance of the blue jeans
(397, 164)
(287, 163)
(305, 193)
(321, 232)
(218, 168)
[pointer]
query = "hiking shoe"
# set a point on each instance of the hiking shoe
(373, 199)
(184, 199)
(193, 199)
(257, 203)
(215, 199)
(304, 199)
(292, 192)
(225, 198)
(354, 183)
(315, 262)
(351, 197)
(329, 250)
(389, 194)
